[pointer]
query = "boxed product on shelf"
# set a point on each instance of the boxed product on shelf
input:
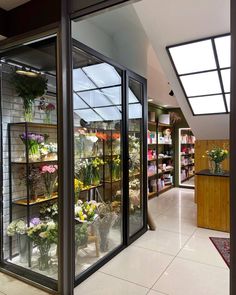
(164, 119)
(152, 117)
(152, 138)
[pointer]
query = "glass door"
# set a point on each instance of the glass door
(97, 103)
(137, 154)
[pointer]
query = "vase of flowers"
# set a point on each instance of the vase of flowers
(216, 156)
(96, 164)
(48, 151)
(33, 141)
(29, 87)
(43, 235)
(105, 220)
(49, 173)
(31, 179)
(18, 227)
(47, 107)
(115, 168)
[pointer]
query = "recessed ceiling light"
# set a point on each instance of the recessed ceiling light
(150, 99)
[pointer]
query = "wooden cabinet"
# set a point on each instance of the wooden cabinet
(212, 194)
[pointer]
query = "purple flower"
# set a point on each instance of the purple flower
(35, 221)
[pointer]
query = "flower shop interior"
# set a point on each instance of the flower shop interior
(122, 160)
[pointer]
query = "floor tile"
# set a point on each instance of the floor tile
(206, 233)
(11, 286)
(138, 265)
(162, 241)
(185, 213)
(102, 284)
(175, 224)
(184, 277)
(202, 250)
(153, 292)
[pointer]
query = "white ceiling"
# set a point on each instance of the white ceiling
(124, 21)
(10, 4)
(169, 22)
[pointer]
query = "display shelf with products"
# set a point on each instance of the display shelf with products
(165, 157)
(186, 157)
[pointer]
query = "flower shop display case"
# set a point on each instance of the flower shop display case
(104, 184)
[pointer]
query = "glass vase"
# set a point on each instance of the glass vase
(28, 112)
(48, 118)
(25, 246)
(44, 258)
(215, 167)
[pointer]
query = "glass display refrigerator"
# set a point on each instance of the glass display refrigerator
(107, 187)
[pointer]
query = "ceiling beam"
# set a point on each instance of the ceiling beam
(29, 16)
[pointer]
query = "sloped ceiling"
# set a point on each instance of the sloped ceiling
(10, 4)
(170, 22)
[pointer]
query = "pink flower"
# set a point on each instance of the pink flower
(49, 169)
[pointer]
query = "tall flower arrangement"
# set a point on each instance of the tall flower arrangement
(29, 88)
(49, 173)
(33, 141)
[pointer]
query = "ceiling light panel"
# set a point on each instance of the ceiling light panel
(201, 84)
(225, 74)
(135, 111)
(194, 57)
(207, 104)
(223, 48)
(78, 103)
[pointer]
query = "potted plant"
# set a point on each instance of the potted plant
(19, 227)
(29, 88)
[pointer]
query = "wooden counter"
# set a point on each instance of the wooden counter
(212, 195)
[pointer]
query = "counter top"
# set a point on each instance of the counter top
(206, 172)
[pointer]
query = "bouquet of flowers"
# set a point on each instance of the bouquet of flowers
(49, 173)
(49, 211)
(32, 180)
(78, 186)
(47, 108)
(83, 171)
(96, 164)
(48, 151)
(33, 141)
(29, 88)
(85, 211)
(216, 156)
(16, 227)
(43, 235)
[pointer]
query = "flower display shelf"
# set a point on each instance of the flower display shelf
(34, 163)
(39, 200)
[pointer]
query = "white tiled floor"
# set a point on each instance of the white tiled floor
(176, 259)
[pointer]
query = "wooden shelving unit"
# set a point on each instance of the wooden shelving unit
(156, 148)
(186, 156)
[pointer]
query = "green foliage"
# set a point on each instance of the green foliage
(29, 88)
(81, 234)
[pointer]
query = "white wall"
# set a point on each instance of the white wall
(89, 34)
(169, 22)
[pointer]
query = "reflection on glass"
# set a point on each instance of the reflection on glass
(201, 84)
(97, 139)
(30, 166)
(194, 57)
(135, 159)
(207, 104)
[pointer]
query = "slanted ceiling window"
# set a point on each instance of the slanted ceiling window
(203, 69)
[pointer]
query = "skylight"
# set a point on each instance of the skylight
(203, 69)
(97, 94)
